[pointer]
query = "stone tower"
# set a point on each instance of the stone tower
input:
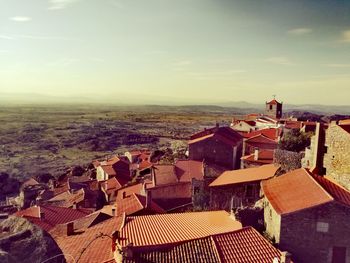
(274, 109)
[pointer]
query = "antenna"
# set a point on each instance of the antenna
(274, 97)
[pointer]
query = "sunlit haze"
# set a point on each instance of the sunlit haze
(180, 51)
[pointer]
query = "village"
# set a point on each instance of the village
(264, 189)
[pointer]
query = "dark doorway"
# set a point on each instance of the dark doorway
(339, 255)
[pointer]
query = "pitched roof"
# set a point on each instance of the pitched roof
(294, 191)
(136, 203)
(175, 227)
(339, 193)
(188, 169)
(245, 175)
(241, 246)
(274, 101)
(345, 127)
(67, 199)
(271, 133)
(53, 215)
(101, 249)
(31, 181)
(164, 174)
(129, 190)
(264, 157)
(260, 138)
(201, 250)
(244, 246)
(224, 134)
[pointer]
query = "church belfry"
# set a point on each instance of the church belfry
(274, 108)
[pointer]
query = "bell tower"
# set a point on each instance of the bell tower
(274, 108)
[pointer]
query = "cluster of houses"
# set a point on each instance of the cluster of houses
(138, 210)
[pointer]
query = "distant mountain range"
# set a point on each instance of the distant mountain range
(151, 104)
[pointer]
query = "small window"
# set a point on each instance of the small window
(322, 227)
(270, 107)
(196, 190)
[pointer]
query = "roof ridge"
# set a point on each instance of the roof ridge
(318, 184)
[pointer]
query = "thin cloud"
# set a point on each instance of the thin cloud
(6, 37)
(338, 65)
(279, 61)
(21, 18)
(346, 36)
(300, 31)
(60, 4)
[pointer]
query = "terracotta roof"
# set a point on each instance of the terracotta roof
(129, 190)
(136, 203)
(273, 102)
(293, 124)
(294, 191)
(264, 157)
(261, 139)
(90, 220)
(339, 193)
(187, 169)
(111, 184)
(101, 248)
(224, 134)
(175, 227)
(271, 133)
(67, 199)
(244, 246)
(144, 165)
(245, 175)
(201, 250)
(53, 215)
(164, 174)
(345, 128)
(344, 122)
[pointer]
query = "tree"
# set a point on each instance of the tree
(295, 141)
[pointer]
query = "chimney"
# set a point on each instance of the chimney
(69, 228)
(286, 257)
(148, 198)
(74, 205)
(256, 154)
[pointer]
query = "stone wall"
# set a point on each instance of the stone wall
(299, 234)
(337, 158)
(221, 196)
(217, 152)
(272, 221)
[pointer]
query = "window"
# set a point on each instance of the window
(322, 227)
(270, 107)
(196, 190)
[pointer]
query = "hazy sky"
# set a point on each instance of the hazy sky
(184, 51)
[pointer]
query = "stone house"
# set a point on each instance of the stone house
(239, 188)
(308, 215)
(219, 145)
(337, 155)
(114, 167)
(274, 109)
(243, 125)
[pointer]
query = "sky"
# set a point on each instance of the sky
(177, 51)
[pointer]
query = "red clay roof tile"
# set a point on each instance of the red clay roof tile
(245, 175)
(294, 191)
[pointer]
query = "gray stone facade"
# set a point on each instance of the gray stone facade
(337, 157)
(311, 235)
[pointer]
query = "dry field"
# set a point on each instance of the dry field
(49, 139)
